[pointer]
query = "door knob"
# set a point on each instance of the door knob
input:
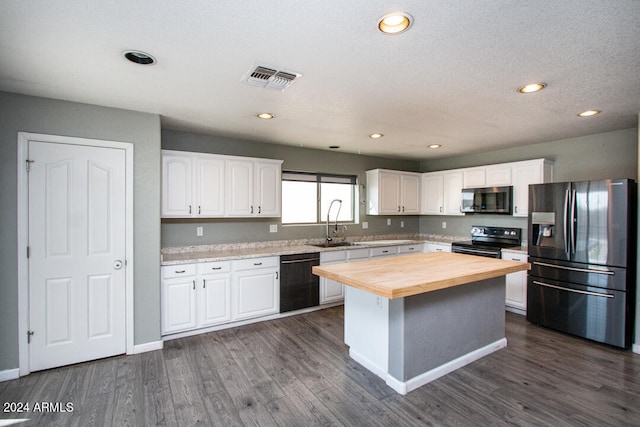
(117, 264)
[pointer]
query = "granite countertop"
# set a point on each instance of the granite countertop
(230, 251)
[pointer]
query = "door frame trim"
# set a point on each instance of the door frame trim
(23, 233)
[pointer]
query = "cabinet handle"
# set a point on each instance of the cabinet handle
(194, 284)
(189, 209)
(180, 271)
(403, 209)
(251, 208)
(276, 274)
(257, 263)
(259, 209)
(199, 210)
(385, 252)
(204, 283)
(440, 209)
(398, 208)
(216, 268)
(515, 209)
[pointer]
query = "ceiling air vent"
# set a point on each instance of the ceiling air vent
(270, 78)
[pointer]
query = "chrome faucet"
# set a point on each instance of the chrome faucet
(329, 238)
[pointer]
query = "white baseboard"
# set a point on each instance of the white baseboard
(635, 348)
(516, 310)
(379, 371)
(148, 346)
(404, 387)
(9, 374)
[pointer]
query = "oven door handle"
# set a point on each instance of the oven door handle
(577, 291)
(474, 251)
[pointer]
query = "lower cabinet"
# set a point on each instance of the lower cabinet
(437, 247)
(330, 290)
(516, 285)
(212, 293)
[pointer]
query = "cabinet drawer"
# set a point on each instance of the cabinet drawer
(410, 249)
(182, 270)
(358, 254)
(511, 256)
(254, 263)
(333, 256)
(384, 251)
(214, 267)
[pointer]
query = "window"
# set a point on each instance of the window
(306, 197)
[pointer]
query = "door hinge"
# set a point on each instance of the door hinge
(28, 164)
(29, 333)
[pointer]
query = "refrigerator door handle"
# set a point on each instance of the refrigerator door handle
(565, 232)
(581, 270)
(573, 221)
(577, 291)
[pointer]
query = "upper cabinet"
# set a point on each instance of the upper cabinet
(441, 193)
(393, 192)
(210, 185)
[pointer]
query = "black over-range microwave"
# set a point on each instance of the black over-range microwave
(495, 200)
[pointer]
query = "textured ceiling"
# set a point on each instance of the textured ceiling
(451, 79)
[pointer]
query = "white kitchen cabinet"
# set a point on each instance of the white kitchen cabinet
(498, 175)
(177, 187)
(214, 293)
(474, 177)
(392, 192)
(452, 193)
(384, 251)
(178, 298)
(516, 285)
(438, 247)
(254, 187)
(442, 193)
(330, 290)
(523, 174)
(192, 185)
(256, 290)
(411, 249)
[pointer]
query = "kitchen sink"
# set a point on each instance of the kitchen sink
(333, 245)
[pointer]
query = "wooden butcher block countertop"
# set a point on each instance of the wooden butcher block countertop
(408, 275)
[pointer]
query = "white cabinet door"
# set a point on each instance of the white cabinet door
(474, 178)
(330, 290)
(452, 196)
(209, 186)
(240, 190)
(499, 175)
(178, 304)
(516, 283)
(438, 247)
(389, 192)
(214, 301)
(177, 185)
(523, 175)
(256, 293)
(268, 188)
(432, 200)
(410, 186)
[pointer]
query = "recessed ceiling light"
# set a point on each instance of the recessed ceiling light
(376, 135)
(139, 57)
(395, 23)
(533, 87)
(589, 113)
(434, 146)
(334, 147)
(266, 116)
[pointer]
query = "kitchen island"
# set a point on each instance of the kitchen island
(415, 318)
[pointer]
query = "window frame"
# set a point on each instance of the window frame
(324, 178)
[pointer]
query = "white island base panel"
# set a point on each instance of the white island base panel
(412, 341)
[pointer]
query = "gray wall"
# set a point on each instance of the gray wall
(39, 115)
(180, 232)
(606, 155)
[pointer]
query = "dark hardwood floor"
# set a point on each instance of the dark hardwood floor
(296, 372)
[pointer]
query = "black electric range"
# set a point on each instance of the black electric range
(489, 241)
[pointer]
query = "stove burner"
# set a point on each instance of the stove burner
(489, 241)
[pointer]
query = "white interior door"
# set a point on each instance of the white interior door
(77, 213)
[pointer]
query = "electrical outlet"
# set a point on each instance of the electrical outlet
(401, 224)
(273, 228)
(444, 224)
(199, 231)
(388, 221)
(365, 224)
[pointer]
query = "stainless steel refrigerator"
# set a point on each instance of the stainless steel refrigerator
(582, 250)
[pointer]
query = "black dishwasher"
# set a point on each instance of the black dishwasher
(299, 288)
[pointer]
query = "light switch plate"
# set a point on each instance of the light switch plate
(273, 228)
(444, 224)
(199, 231)
(388, 221)
(365, 224)
(401, 224)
